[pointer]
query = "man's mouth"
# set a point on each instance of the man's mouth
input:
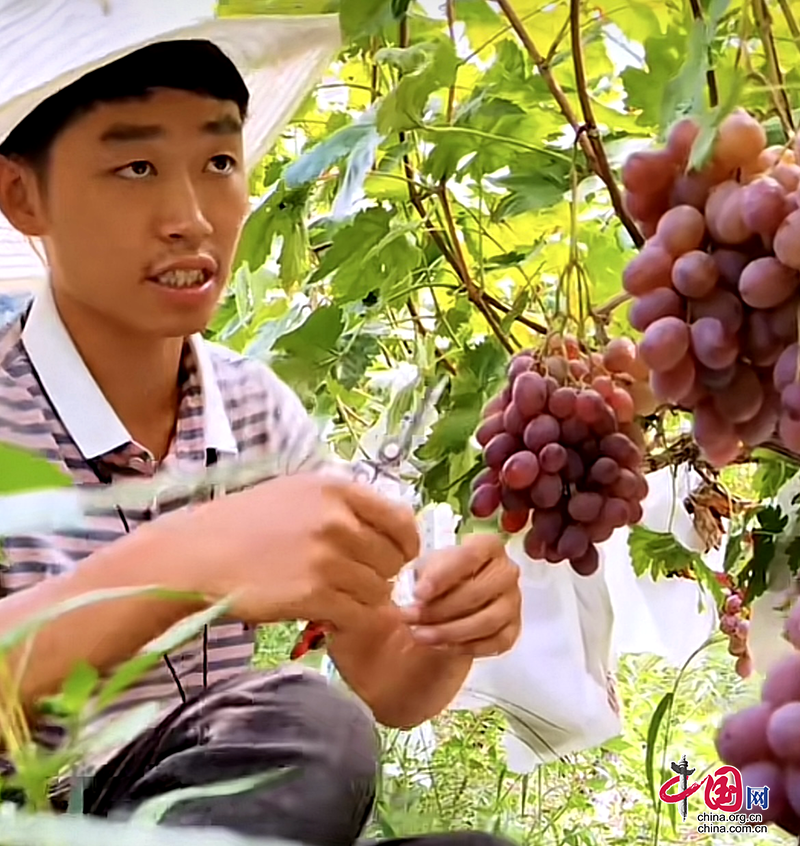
(182, 278)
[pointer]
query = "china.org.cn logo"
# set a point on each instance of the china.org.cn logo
(727, 798)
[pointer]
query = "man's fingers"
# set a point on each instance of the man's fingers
(361, 583)
(467, 598)
(393, 520)
(483, 625)
(498, 644)
(449, 567)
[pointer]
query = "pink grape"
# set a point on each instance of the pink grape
(766, 774)
(485, 501)
(490, 427)
(586, 564)
(664, 344)
(790, 400)
(542, 430)
(529, 394)
(712, 345)
(585, 507)
(514, 422)
(546, 525)
(500, 449)
(546, 491)
(742, 737)
(783, 732)
(782, 682)
(562, 402)
(574, 431)
(573, 542)
(520, 470)
(604, 471)
(676, 384)
(552, 458)
(786, 367)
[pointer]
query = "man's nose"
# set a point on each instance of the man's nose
(182, 217)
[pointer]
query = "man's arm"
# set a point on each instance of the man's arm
(467, 605)
(104, 633)
(403, 682)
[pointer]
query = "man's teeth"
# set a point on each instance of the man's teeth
(181, 278)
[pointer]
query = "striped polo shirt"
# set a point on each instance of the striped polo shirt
(231, 407)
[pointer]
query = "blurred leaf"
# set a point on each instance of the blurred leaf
(21, 470)
(152, 811)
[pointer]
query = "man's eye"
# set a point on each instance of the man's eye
(135, 170)
(223, 164)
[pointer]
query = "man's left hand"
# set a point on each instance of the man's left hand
(467, 599)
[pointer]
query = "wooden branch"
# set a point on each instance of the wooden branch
(778, 89)
(599, 167)
(790, 20)
(602, 167)
(711, 78)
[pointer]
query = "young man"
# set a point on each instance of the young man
(132, 176)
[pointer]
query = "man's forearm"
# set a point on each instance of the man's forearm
(106, 632)
(403, 682)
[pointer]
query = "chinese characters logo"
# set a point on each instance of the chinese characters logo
(724, 790)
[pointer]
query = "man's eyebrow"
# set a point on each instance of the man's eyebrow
(121, 133)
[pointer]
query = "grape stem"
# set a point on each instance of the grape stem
(589, 146)
(764, 21)
(711, 79)
(454, 256)
(790, 20)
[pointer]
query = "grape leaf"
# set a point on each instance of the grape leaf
(21, 470)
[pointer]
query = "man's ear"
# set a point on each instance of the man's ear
(21, 197)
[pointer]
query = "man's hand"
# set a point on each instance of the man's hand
(298, 547)
(468, 599)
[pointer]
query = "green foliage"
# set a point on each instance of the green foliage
(21, 471)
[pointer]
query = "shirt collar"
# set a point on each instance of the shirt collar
(80, 404)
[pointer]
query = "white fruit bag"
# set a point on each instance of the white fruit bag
(554, 686)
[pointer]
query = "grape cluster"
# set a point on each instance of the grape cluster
(716, 285)
(763, 741)
(734, 624)
(562, 450)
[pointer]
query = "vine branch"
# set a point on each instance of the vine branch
(711, 78)
(590, 149)
(764, 22)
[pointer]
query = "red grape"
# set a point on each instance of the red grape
(520, 470)
(552, 458)
(730, 264)
(743, 397)
(622, 449)
(766, 774)
(782, 682)
(529, 394)
(722, 304)
(766, 283)
(790, 400)
(514, 521)
(514, 421)
(546, 525)
(604, 471)
(542, 430)
(489, 428)
(589, 406)
(519, 364)
(665, 343)
(485, 501)
(574, 470)
(586, 564)
(764, 205)
(786, 367)
(573, 542)
(694, 274)
(661, 302)
(585, 507)
(681, 230)
(742, 737)
(574, 431)
(783, 735)
(712, 345)
(500, 449)
(562, 402)
(651, 268)
(674, 385)
(487, 476)
(615, 512)
(547, 490)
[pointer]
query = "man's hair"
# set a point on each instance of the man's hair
(195, 66)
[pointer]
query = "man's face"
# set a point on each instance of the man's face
(144, 205)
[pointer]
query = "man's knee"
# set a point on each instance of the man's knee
(299, 711)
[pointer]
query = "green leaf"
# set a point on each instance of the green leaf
(330, 151)
(152, 811)
(653, 729)
(21, 470)
(362, 17)
(659, 553)
(428, 67)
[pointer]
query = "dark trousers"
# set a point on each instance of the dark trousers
(248, 726)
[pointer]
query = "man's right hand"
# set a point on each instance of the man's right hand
(298, 547)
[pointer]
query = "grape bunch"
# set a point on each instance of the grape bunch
(735, 625)
(562, 449)
(763, 741)
(716, 286)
